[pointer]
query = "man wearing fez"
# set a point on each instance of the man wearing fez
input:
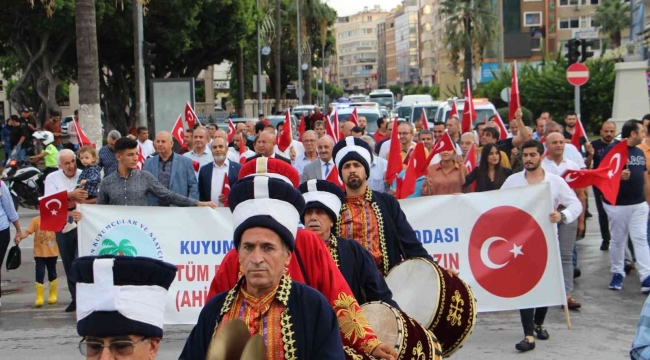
(375, 220)
(121, 305)
(311, 264)
(295, 320)
(323, 201)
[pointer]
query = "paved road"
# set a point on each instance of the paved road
(602, 329)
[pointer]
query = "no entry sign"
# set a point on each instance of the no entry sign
(577, 74)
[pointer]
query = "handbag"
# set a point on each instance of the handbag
(13, 258)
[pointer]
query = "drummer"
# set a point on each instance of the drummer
(311, 264)
(121, 324)
(375, 220)
(295, 320)
(323, 201)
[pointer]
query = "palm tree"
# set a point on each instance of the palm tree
(469, 28)
(125, 248)
(88, 70)
(612, 16)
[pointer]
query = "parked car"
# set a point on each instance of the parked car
(484, 109)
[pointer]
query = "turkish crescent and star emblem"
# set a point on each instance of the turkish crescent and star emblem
(614, 170)
(55, 201)
(507, 261)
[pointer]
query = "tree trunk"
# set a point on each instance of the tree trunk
(240, 81)
(616, 39)
(88, 71)
(307, 78)
(467, 72)
(278, 56)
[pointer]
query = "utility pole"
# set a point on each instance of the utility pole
(259, 68)
(500, 35)
(299, 87)
(140, 81)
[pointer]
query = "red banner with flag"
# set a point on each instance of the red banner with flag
(469, 113)
(444, 144)
(329, 130)
(425, 120)
(82, 139)
(178, 132)
(470, 162)
(302, 127)
(394, 166)
(225, 189)
(190, 116)
(503, 132)
(354, 117)
(231, 130)
(334, 178)
(578, 134)
(515, 102)
(54, 211)
(286, 135)
(454, 110)
(141, 158)
(417, 166)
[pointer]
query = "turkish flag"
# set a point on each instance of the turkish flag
(225, 189)
(578, 179)
(302, 127)
(515, 103)
(394, 166)
(81, 136)
(286, 135)
(178, 132)
(615, 162)
(454, 109)
(503, 132)
(334, 178)
(425, 120)
(578, 134)
(141, 158)
(231, 130)
(417, 161)
(336, 126)
(444, 144)
(329, 130)
(469, 113)
(470, 162)
(54, 211)
(507, 261)
(190, 115)
(242, 149)
(354, 117)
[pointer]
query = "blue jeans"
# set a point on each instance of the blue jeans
(68, 250)
(41, 264)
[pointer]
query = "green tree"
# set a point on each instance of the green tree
(612, 16)
(125, 248)
(469, 28)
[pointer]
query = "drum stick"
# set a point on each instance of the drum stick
(568, 317)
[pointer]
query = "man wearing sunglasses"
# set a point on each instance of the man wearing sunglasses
(121, 305)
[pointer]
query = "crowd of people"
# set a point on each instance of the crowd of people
(352, 237)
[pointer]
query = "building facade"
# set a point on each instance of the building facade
(382, 76)
(357, 48)
(407, 43)
(427, 55)
(391, 54)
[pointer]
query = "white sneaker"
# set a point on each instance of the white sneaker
(69, 226)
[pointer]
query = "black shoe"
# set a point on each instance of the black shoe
(542, 334)
(604, 246)
(576, 273)
(588, 214)
(72, 307)
(628, 267)
(525, 345)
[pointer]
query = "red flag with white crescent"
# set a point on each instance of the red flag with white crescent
(231, 130)
(190, 116)
(302, 127)
(286, 135)
(469, 113)
(444, 144)
(141, 158)
(515, 102)
(81, 136)
(394, 165)
(454, 110)
(178, 132)
(225, 189)
(334, 178)
(578, 134)
(470, 161)
(54, 211)
(413, 171)
(354, 117)
(425, 120)
(503, 132)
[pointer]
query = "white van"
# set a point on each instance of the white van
(431, 109)
(484, 109)
(404, 111)
(383, 97)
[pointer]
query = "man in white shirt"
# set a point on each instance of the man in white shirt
(144, 142)
(65, 179)
(378, 167)
(233, 151)
(310, 154)
(320, 168)
(200, 154)
(570, 151)
(533, 319)
(219, 170)
(555, 163)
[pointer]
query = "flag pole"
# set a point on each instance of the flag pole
(568, 317)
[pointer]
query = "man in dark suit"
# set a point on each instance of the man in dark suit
(265, 146)
(173, 171)
(212, 175)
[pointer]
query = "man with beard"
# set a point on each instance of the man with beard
(453, 127)
(323, 200)
(532, 150)
(212, 176)
(570, 120)
(363, 123)
(373, 219)
(607, 133)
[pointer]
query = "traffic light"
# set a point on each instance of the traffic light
(147, 52)
(586, 47)
(573, 51)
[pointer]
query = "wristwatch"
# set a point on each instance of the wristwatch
(563, 217)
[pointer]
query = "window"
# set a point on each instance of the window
(427, 10)
(535, 44)
(594, 2)
(533, 18)
(569, 2)
(569, 23)
(585, 22)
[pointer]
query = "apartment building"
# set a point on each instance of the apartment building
(382, 75)
(357, 49)
(407, 43)
(391, 54)
(427, 54)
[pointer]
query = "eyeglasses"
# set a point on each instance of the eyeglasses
(308, 141)
(93, 349)
(405, 133)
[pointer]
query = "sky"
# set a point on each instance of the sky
(349, 7)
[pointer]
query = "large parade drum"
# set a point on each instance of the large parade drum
(440, 301)
(409, 338)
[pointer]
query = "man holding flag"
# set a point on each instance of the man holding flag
(629, 213)
(216, 176)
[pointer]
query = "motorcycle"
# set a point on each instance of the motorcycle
(24, 183)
